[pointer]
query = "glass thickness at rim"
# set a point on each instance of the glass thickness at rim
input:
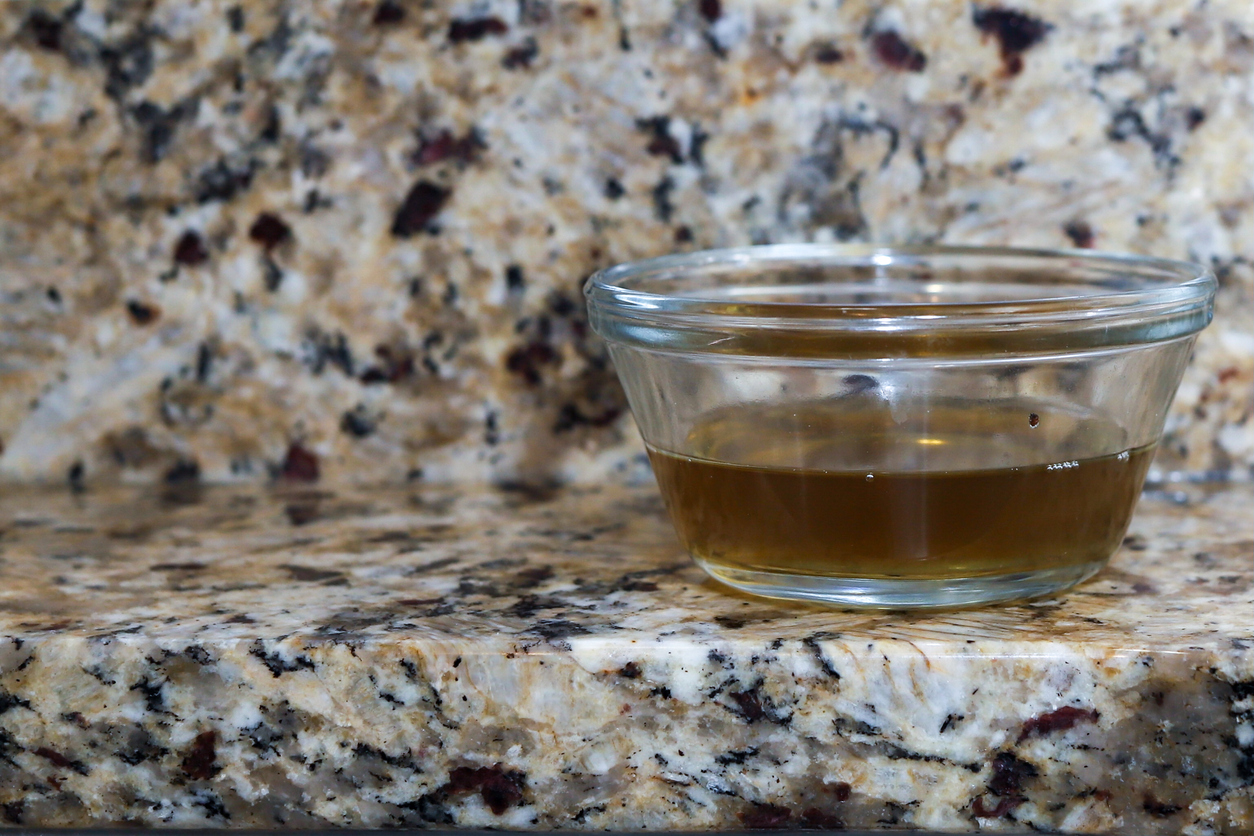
(862, 301)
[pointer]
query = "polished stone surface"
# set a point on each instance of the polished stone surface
(347, 237)
(545, 658)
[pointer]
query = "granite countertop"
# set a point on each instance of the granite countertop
(346, 238)
(525, 657)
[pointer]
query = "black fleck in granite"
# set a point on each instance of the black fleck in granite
(542, 658)
(226, 226)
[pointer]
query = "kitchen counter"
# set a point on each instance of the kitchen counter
(544, 658)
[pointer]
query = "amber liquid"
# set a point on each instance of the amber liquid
(875, 491)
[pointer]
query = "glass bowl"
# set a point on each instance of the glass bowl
(906, 427)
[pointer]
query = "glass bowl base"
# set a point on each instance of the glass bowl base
(901, 593)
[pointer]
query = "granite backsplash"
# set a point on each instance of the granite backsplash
(345, 240)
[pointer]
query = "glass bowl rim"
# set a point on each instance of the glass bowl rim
(1174, 301)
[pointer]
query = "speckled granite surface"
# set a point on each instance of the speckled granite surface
(346, 239)
(476, 657)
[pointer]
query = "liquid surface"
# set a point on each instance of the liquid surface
(874, 492)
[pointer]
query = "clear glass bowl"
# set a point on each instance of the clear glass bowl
(906, 427)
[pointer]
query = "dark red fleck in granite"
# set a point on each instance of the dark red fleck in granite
(1001, 808)
(841, 790)
(521, 56)
(269, 230)
(683, 235)
(661, 143)
(142, 313)
(1034, 420)
(1013, 63)
(500, 789)
(475, 29)
(444, 146)
(664, 146)
(896, 52)
(299, 465)
(1193, 117)
(765, 817)
(388, 13)
(198, 764)
(749, 705)
(1009, 773)
(1059, 719)
(1015, 32)
(190, 566)
(1080, 233)
(190, 249)
(395, 365)
(629, 671)
(59, 760)
(526, 361)
(1159, 809)
(711, 10)
(1228, 373)
(420, 206)
(45, 29)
